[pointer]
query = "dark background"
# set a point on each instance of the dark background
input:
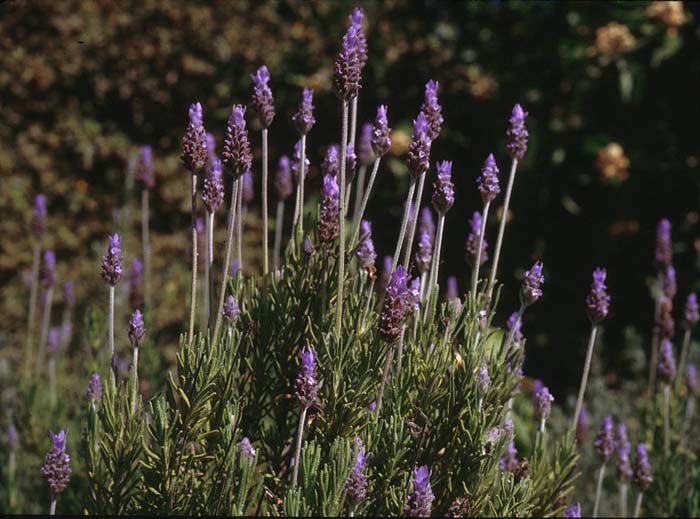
(83, 84)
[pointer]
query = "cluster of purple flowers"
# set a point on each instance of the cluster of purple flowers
(194, 143)
(112, 268)
(237, 157)
(420, 501)
(307, 380)
(400, 301)
(57, 469)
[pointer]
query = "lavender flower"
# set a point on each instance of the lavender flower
(531, 290)
(283, 179)
(622, 454)
(470, 248)
(136, 284)
(381, 133)
(145, 172)
(692, 312)
(194, 143)
(306, 247)
(667, 363)
(356, 484)
(663, 252)
(356, 18)
(237, 157)
(691, 379)
(432, 109)
(582, 427)
(514, 321)
(452, 290)
(350, 163)
(296, 161)
(304, 118)
(39, 216)
(262, 97)
(137, 330)
(213, 188)
(331, 161)
(426, 222)
(347, 68)
(94, 388)
(642, 470)
(307, 380)
(231, 311)
(400, 301)
(482, 379)
(56, 467)
(573, 510)
(598, 300)
(112, 269)
(211, 148)
(366, 255)
(419, 148)
(517, 133)
(246, 449)
(328, 224)
(54, 341)
(424, 253)
(420, 501)
(443, 188)
(69, 294)
(509, 460)
(248, 190)
(488, 183)
(604, 442)
(542, 403)
(669, 282)
(48, 269)
(364, 145)
(386, 273)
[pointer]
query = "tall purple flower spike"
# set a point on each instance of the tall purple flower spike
(94, 388)
(518, 336)
(112, 268)
(452, 290)
(194, 143)
(542, 403)
(262, 97)
(231, 310)
(347, 67)
(246, 449)
(329, 224)
(48, 269)
(400, 300)
(432, 109)
(381, 133)
(145, 169)
(443, 188)
(426, 222)
(531, 290)
(331, 161)
(304, 119)
(622, 454)
(283, 179)
(366, 255)
(424, 253)
(663, 251)
(237, 157)
(137, 330)
(489, 186)
(604, 442)
(692, 312)
(39, 217)
(642, 470)
(356, 484)
(573, 510)
(419, 149)
(667, 362)
(356, 18)
(56, 468)
(420, 501)
(598, 300)
(213, 187)
(365, 153)
(307, 380)
(517, 133)
(470, 248)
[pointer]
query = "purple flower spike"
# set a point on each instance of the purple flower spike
(248, 189)
(213, 189)
(112, 269)
(211, 148)
(237, 157)
(664, 251)
(513, 321)
(692, 312)
(542, 403)
(364, 145)
(356, 484)
(667, 363)
(94, 388)
(246, 449)
(329, 224)
(604, 442)
(356, 18)
(145, 172)
(420, 500)
(531, 290)
(69, 294)
(296, 161)
(194, 143)
(488, 183)
(443, 188)
(452, 290)
(283, 179)
(48, 269)
(582, 427)
(233, 270)
(426, 222)
(304, 118)
(399, 302)
(424, 253)
(307, 380)
(470, 247)
(231, 311)
(39, 217)
(137, 330)
(53, 341)
(56, 467)
(517, 133)
(419, 148)
(691, 379)
(432, 109)
(642, 470)
(509, 460)
(381, 133)
(331, 161)
(366, 256)
(262, 97)
(482, 379)
(598, 300)
(350, 163)
(622, 454)
(573, 510)
(669, 282)
(386, 273)
(347, 67)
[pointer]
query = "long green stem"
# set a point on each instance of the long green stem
(599, 489)
(353, 121)
(511, 333)
(44, 337)
(193, 290)
(359, 213)
(385, 377)
(404, 224)
(52, 382)
(501, 229)
(145, 237)
(111, 325)
(264, 201)
(667, 419)
(52, 505)
(31, 314)
(414, 221)
(239, 228)
(208, 264)
(399, 353)
(297, 452)
(302, 179)
(654, 354)
(638, 505)
(477, 262)
(584, 377)
(341, 252)
(435, 266)
(360, 192)
(227, 258)
(136, 380)
(623, 499)
(279, 221)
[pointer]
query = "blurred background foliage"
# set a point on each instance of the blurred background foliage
(611, 90)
